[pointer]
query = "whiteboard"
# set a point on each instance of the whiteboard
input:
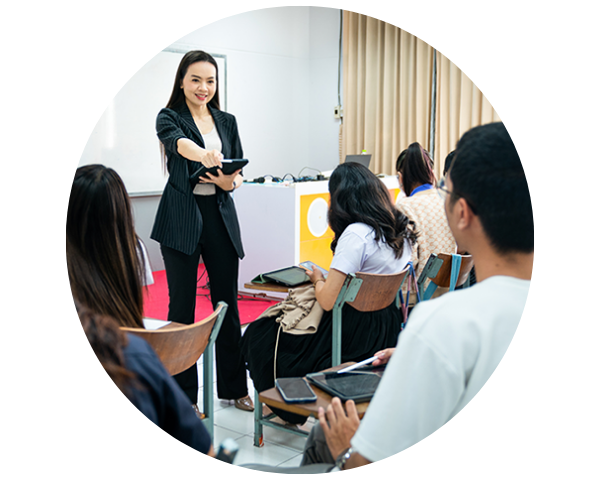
(124, 138)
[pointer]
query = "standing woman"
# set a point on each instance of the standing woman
(201, 219)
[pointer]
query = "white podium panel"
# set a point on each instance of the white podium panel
(286, 224)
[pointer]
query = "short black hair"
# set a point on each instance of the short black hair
(448, 162)
(488, 174)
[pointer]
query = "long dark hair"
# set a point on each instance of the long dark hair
(358, 196)
(177, 96)
(194, 56)
(107, 342)
(103, 250)
(416, 167)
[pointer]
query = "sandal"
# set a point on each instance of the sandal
(197, 411)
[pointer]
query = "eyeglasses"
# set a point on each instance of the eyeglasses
(443, 192)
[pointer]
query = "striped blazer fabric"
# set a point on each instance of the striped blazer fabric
(178, 223)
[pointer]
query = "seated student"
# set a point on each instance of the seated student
(452, 344)
(423, 205)
(134, 367)
(371, 236)
(104, 254)
(103, 251)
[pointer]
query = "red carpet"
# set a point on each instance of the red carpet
(156, 300)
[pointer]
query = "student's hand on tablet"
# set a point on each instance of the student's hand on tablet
(384, 356)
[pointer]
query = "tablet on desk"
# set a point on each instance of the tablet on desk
(290, 276)
(228, 167)
(358, 385)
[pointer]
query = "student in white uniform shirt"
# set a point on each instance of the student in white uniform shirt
(451, 344)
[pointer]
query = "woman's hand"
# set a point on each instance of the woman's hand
(315, 275)
(327, 290)
(192, 151)
(384, 356)
(224, 182)
(212, 158)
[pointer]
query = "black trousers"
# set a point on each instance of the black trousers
(222, 265)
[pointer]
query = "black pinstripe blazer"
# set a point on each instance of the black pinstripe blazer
(178, 223)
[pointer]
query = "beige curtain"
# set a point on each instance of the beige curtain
(387, 90)
(387, 84)
(460, 105)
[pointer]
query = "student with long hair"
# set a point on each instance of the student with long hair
(106, 275)
(422, 204)
(370, 236)
(103, 251)
(201, 219)
(136, 370)
(366, 226)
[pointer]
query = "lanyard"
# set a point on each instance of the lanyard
(422, 188)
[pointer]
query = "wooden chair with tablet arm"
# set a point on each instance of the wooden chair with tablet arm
(179, 346)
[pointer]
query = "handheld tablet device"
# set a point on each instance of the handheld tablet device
(312, 266)
(290, 276)
(228, 167)
(356, 385)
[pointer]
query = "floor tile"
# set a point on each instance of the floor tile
(280, 448)
(269, 454)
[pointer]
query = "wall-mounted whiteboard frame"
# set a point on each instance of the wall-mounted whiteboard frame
(125, 136)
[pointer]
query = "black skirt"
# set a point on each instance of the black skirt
(363, 334)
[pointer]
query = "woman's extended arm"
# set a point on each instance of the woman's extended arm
(192, 151)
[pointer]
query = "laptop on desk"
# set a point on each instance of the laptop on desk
(362, 159)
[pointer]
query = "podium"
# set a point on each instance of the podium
(284, 224)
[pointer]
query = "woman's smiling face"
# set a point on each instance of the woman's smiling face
(199, 84)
